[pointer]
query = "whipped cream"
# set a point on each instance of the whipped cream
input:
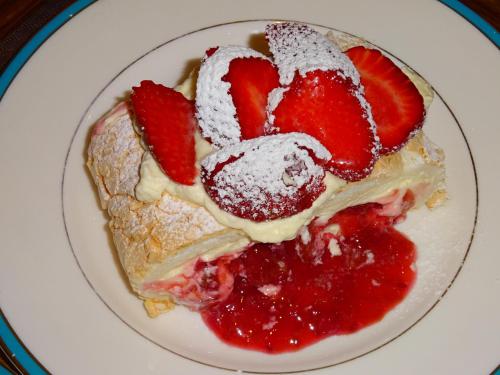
(154, 182)
(336, 196)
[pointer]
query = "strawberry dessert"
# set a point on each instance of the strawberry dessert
(266, 199)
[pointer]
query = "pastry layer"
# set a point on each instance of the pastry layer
(159, 237)
(155, 239)
(147, 235)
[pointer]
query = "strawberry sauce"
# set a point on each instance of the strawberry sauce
(295, 293)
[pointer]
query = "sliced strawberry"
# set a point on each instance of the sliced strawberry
(251, 81)
(397, 106)
(168, 122)
(266, 178)
(216, 110)
(326, 106)
(298, 47)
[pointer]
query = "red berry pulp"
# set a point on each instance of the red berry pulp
(292, 294)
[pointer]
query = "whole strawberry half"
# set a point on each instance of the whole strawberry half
(231, 94)
(167, 120)
(266, 178)
(324, 105)
(397, 106)
(251, 79)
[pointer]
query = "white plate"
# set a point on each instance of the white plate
(61, 289)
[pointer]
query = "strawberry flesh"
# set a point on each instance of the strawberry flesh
(397, 106)
(323, 105)
(168, 122)
(251, 81)
(276, 207)
(266, 178)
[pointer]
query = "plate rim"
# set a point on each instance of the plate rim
(16, 352)
(10, 344)
(382, 344)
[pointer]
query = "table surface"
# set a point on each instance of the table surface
(21, 19)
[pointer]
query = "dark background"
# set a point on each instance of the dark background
(21, 19)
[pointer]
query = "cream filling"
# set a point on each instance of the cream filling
(225, 242)
(423, 180)
(337, 196)
(154, 182)
(417, 174)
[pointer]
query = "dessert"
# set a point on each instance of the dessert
(266, 198)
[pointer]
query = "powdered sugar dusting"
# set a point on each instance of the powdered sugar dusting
(275, 145)
(296, 46)
(115, 154)
(145, 234)
(273, 100)
(265, 170)
(216, 112)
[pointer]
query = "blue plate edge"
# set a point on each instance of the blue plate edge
(19, 353)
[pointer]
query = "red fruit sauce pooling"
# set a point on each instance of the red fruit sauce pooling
(295, 293)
